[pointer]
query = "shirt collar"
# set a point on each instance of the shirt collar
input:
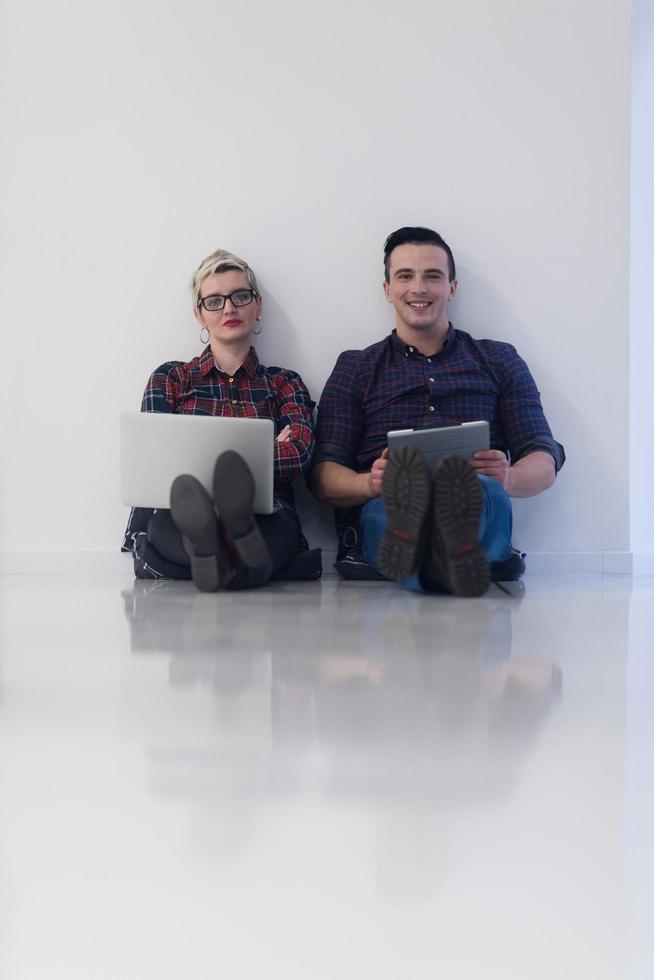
(409, 351)
(207, 364)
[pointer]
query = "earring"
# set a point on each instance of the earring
(257, 332)
(204, 340)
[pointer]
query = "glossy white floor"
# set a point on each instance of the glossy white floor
(326, 780)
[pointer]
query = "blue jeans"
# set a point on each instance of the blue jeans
(495, 528)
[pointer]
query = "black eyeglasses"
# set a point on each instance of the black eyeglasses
(240, 297)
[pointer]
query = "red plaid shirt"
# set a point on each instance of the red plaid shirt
(253, 392)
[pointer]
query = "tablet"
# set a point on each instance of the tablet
(435, 444)
(155, 447)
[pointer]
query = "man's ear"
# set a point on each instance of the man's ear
(386, 287)
(453, 288)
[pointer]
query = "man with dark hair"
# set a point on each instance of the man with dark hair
(417, 236)
(446, 532)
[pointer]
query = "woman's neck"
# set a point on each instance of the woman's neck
(230, 357)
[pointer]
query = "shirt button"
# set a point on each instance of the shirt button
(231, 380)
(431, 379)
(432, 408)
(411, 350)
(429, 360)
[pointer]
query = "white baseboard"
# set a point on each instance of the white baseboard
(618, 563)
(590, 563)
(562, 562)
(538, 562)
(63, 562)
(628, 563)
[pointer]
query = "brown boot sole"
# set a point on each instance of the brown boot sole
(406, 493)
(457, 506)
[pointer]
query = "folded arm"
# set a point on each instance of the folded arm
(294, 417)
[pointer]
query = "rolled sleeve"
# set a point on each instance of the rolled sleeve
(521, 413)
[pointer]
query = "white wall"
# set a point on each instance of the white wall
(137, 137)
(642, 266)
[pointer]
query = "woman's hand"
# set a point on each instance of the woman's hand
(285, 434)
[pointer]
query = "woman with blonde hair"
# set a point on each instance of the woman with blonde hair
(219, 542)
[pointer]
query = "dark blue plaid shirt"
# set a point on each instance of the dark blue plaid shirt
(390, 385)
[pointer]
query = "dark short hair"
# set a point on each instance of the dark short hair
(417, 236)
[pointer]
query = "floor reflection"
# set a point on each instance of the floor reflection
(410, 711)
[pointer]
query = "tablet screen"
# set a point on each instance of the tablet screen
(453, 440)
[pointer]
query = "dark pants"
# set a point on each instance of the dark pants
(160, 553)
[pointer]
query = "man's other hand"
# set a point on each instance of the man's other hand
(376, 475)
(493, 463)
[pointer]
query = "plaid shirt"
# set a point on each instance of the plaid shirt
(253, 392)
(390, 385)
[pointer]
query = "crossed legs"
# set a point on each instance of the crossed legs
(219, 543)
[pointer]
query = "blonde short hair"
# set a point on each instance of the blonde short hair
(220, 261)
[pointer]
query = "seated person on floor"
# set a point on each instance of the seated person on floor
(220, 543)
(443, 533)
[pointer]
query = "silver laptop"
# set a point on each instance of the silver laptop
(451, 440)
(156, 447)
